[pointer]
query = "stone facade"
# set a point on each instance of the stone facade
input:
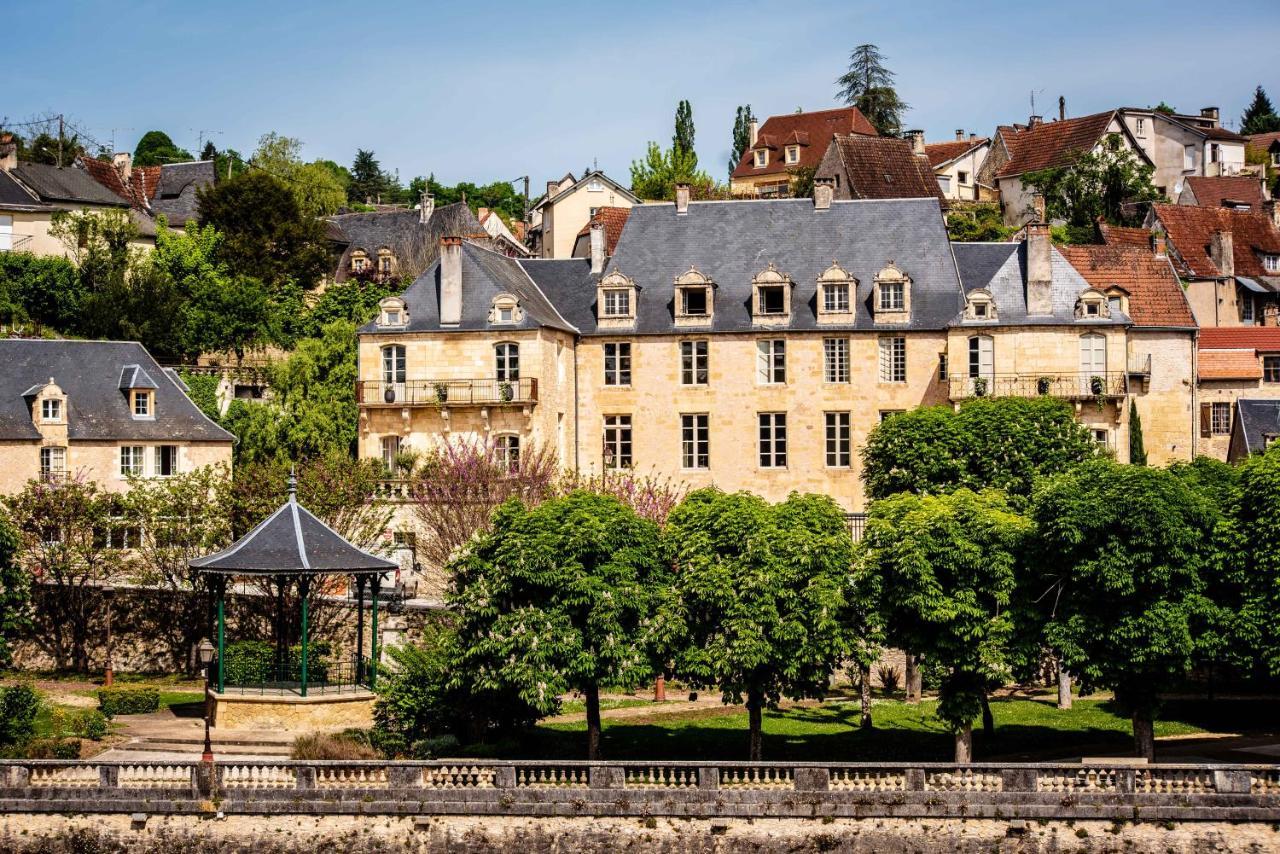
(291, 713)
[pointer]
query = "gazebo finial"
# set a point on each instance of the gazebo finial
(293, 483)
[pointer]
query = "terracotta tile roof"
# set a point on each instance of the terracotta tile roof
(138, 191)
(811, 131)
(1190, 229)
(1212, 192)
(1263, 141)
(1052, 144)
(1156, 297)
(1118, 235)
(614, 219)
(1264, 338)
(878, 167)
(942, 152)
(1229, 365)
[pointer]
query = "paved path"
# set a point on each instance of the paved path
(178, 733)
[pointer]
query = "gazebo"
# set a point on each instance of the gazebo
(292, 546)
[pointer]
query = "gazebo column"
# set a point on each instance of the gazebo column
(222, 631)
(304, 587)
(282, 633)
(373, 641)
(360, 582)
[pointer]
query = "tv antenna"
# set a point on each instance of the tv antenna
(1035, 92)
(200, 135)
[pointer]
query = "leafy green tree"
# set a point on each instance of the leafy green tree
(1137, 448)
(977, 224)
(1260, 116)
(682, 139)
(1000, 443)
(1120, 559)
(741, 136)
(156, 148)
(44, 290)
(1257, 525)
(265, 234)
(868, 85)
(945, 570)
(561, 596)
(499, 196)
(1162, 107)
(316, 186)
(355, 300)
(53, 150)
(802, 180)
(1104, 183)
(655, 177)
(368, 181)
(15, 590)
(209, 152)
(762, 597)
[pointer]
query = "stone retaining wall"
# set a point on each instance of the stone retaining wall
(1097, 791)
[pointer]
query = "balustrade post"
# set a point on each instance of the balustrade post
(306, 777)
(404, 776)
(1018, 779)
(1126, 780)
(605, 777)
(19, 777)
(1232, 782)
(504, 777)
(708, 777)
(812, 779)
(108, 776)
(913, 779)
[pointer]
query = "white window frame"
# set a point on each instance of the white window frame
(133, 461)
(617, 363)
(835, 360)
(1271, 263)
(1271, 368)
(839, 453)
(618, 439)
(595, 185)
(389, 448)
(793, 154)
(962, 178)
(695, 441)
(506, 450)
(686, 291)
(982, 357)
(771, 361)
(695, 362)
(1188, 158)
(393, 364)
(158, 454)
(893, 296)
(893, 359)
(506, 361)
(1246, 307)
(1220, 418)
(51, 410)
(53, 461)
(761, 158)
(146, 398)
(835, 298)
(772, 439)
(617, 302)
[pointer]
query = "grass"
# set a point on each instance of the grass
(1026, 729)
(579, 707)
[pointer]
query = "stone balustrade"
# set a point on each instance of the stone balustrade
(1097, 790)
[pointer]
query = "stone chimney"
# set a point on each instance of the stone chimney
(1039, 269)
(824, 189)
(1062, 108)
(917, 141)
(553, 187)
(959, 134)
(450, 281)
(1035, 120)
(8, 152)
(1038, 208)
(682, 199)
(753, 132)
(426, 207)
(1222, 253)
(1159, 246)
(1272, 211)
(1210, 113)
(973, 137)
(597, 248)
(123, 161)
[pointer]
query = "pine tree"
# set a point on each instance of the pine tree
(741, 136)
(1260, 116)
(1137, 450)
(868, 85)
(682, 141)
(209, 152)
(368, 181)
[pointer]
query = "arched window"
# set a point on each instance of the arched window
(507, 361)
(393, 364)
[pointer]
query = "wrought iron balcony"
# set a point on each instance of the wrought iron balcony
(1072, 386)
(477, 392)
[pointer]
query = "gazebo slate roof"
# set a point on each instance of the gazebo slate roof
(292, 541)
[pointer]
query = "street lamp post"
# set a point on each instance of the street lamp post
(204, 651)
(109, 675)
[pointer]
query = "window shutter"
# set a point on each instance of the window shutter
(1206, 419)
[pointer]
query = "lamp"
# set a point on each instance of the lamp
(204, 654)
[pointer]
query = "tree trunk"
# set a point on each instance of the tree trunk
(1064, 687)
(913, 678)
(964, 744)
(592, 692)
(755, 708)
(865, 679)
(988, 721)
(1144, 737)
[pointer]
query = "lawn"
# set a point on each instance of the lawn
(579, 707)
(1026, 729)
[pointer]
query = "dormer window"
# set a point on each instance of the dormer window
(892, 295)
(762, 157)
(505, 310)
(595, 185)
(1117, 300)
(1271, 263)
(385, 259)
(616, 299)
(1092, 305)
(772, 293)
(143, 404)
(51, 410)
(693, 298)
(835, 294)
(793, 154)
(359, 261)
(980, 306)
(392, 312)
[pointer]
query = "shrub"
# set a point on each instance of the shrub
(125, 700)
(341, 745)
(889, 677)
(254, 662)
(434, 748)
(90, 724)
(19, 705)
(54, 748)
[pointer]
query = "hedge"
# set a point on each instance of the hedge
(128, 701)
(254, 662)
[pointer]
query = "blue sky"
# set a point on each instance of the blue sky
(485, 91)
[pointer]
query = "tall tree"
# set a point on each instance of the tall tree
(318, 186)
(868, 85)
(562, 596)
(1137, 447)
(1104, 183)
(682, 139)
(209, 152)
(15, 590)
(1260, 116)
(368, 181)
(156, 149)
(1257, 542)
(763, 597)
(1118, 567)
(945, 570)
(741, 136)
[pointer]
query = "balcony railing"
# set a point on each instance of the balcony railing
(479, 392)
(1075, 386)
(16, 243)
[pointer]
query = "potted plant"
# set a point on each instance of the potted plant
(1043, 384)
(389, 393)
(1097, 386)
(442, 392)
(506, 392)
(980, 386)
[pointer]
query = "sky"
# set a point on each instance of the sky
(496, 91)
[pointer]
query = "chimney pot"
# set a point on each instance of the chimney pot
(552, 188)
(1039, 269)
(682, 199)
(123, 161)
(917, 141)
(1222, 253)
(823, 191)
(973, 137)
(450, 281)
(1210, 113)
(1158, 246)
(8, 152)
(959, 134)
(597, 247)
(1035, 120)
(1062, 108)
(426, 206)
(754, 127)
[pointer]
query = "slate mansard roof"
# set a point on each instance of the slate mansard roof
(414, 245)
(730, 242)
(93, 375)
(1258, 422)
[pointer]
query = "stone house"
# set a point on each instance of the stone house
(1182, 146)
(1241, 192)
(102, 410)
(786, 143)
(1235, 365)
(169, 189)
(399, 243)
(877, 167)
(957, 163)
(567, 207)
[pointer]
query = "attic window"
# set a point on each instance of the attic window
(1271, 263)
(695, 301)
(51, 410)
(142, 403)
(793, 154)
(762, 157)
(892, 295)
(1092, 304)
(595, 185)
(617, 302)
(384, 262)
(616, 297)
(835, 287)
(693, 296)
(359, 261)
(980, 306)
(505, 310)
(393, 312)
(772, 293)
